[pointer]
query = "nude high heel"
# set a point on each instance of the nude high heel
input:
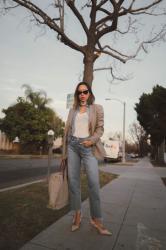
(100, 228)
(75, 226)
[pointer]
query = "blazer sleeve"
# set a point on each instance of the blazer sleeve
(99, 129)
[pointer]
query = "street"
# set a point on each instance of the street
(19, 171)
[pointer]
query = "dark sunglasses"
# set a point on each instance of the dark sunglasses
(85, 92)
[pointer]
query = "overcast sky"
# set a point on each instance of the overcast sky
(45, 63)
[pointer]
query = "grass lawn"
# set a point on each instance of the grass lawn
(164, 180)
(157, 164)
(160, 165)
(24, 212)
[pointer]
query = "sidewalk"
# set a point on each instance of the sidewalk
(134, 209)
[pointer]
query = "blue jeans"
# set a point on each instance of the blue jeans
(78, 154)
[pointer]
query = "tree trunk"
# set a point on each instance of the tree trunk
(153, 152)
(161, 152)
(88, 69)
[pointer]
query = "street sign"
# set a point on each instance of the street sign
(70, 101)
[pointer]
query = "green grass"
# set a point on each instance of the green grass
(24, 212)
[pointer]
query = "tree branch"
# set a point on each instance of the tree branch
(6, 9)
(159, 36)
(72, 6)
(104, 11)
(112, 52)
(101, 3)
(114, 77)
(124, 58)
(49, 22)
(130, 23)
(141, 10)
(149, 6)
(113, 17)
(61, 14)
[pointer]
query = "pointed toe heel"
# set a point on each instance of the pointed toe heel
(76, 224)
(75, 227)
(100, 228)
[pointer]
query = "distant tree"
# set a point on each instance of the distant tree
(131, 147)
(151, 113)
(139, 137)
(102, 24)
(37, 98)
(30, 124)
(115, 136)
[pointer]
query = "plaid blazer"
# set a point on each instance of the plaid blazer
(96, 130)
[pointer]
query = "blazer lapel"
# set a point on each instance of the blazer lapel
(91, 111)
(71, 117)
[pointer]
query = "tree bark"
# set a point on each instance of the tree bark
(161, 152)
(88, 70)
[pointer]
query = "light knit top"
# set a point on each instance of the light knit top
(81, 125)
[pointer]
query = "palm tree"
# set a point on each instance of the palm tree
(37, 98)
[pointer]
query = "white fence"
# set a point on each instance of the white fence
(5, 144)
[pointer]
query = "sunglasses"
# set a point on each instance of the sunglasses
(85, 92)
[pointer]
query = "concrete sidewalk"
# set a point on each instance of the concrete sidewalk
(134, 207)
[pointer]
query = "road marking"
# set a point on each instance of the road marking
(21, 185)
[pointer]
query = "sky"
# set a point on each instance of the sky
(28, 56)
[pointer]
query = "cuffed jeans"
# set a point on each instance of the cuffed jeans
(78, 154)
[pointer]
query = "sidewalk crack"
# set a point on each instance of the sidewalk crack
(124, 218)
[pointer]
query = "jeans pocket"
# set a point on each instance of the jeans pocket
(86, 149)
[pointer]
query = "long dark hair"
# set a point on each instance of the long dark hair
(91, 98)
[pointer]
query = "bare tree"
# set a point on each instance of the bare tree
(102, 22)
(115, 136)
(139, 137)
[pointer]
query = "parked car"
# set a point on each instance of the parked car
(133, 155)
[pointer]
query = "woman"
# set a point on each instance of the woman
(81, 143)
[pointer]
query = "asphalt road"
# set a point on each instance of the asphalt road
(19, 171)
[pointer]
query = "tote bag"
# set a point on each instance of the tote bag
(58, 190)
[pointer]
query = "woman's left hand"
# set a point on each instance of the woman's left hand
(87, 143)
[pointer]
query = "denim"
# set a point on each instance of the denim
(78, 154)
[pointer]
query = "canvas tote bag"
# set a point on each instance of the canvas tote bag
(58, 190)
